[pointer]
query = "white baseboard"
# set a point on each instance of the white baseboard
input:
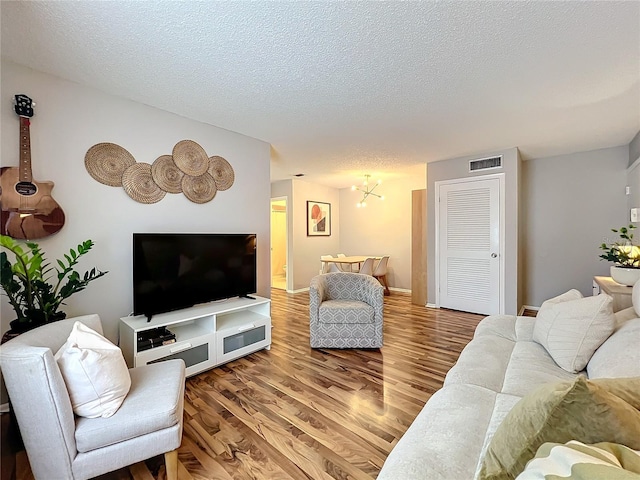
(431, 305)
(4, 408)
(402, 290)
(300, 290)
(527, 307)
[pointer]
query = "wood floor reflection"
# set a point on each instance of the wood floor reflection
(297, 413)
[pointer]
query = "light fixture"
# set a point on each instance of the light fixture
(367, 191)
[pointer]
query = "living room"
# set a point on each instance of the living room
(564, 201)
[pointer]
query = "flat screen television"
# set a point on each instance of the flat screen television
(178, 270)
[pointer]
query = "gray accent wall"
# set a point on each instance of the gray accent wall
(571, 202)
(459, 168)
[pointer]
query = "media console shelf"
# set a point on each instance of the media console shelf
(206, 335)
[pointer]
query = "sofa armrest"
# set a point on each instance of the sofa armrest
(317, 293)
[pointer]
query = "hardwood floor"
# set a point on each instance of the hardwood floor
(297, 413)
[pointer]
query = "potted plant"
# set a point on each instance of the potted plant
(625, 255)
(35, 289)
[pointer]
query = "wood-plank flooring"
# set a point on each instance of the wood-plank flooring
(297, 413)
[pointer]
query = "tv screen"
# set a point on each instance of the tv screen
(178, 270)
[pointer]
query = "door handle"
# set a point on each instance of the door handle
(494, 255)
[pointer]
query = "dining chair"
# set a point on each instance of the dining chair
(367, 267)
(324, 266)
(344, 267)
(380, 273)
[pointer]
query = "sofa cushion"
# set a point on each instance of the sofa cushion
(571, 330)
(433, 447)
(619, 355)
(559, 412)
(345, 311)
(138, 416)
(94, 371)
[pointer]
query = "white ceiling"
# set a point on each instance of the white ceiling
(342, 88)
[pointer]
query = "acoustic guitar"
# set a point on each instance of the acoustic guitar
(28, 210)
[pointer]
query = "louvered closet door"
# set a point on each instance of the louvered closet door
(469, 241)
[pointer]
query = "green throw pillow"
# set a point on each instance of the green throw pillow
(559, 412)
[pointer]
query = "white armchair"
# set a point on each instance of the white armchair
(62, 446)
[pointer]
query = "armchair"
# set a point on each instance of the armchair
(61, 445)
(345, 311)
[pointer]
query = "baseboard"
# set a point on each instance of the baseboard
(431, 305)
(402, 290)
(300, 290)
(527, 307)
(4, 408)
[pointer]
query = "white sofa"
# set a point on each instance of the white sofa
(495, 370)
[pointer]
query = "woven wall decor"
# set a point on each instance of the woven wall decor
(222, 172)
(167, 175)
(190, 158)
(200, 189)
(187, 170)
(106, 163)
(139, 185)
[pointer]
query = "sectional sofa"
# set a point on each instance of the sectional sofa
(509, 358)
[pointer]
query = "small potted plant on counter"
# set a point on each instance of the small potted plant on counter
(625, 255)
(35, 289)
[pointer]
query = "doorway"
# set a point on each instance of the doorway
(279, 243)
(470, 244)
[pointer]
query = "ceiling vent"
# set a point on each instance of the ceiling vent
(488, 163)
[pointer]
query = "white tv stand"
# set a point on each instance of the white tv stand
(206, 335)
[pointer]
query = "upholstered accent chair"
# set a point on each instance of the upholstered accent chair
(61, 445)
(345, 311)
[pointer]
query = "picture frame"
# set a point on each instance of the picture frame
(318, 219)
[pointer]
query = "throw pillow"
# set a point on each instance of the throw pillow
(619, 355)
(559, 412)
(94, 371)
(575, 460)
(572, 330)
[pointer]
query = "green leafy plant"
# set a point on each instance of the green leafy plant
(623, 252)
(35, 289)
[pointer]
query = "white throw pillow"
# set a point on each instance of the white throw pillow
(94, 371)
(546, 315)
(572, 330)
(619, 355)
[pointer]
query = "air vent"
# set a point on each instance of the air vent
(485, 163)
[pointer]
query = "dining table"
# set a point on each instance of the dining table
(350, 260)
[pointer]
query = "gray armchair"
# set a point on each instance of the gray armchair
(345, 311)
(61, 446)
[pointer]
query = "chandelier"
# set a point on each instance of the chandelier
(367, 191)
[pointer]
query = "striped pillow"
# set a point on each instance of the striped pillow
(577, 461)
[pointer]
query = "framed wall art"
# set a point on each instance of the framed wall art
(318, 219)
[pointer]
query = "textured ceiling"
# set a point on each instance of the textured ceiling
(341, 89)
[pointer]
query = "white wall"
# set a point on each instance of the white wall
(68, 120)
(382, 227)
(307, 250)
(571, 203)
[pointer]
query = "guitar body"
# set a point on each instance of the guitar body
(31, 215)
(28, 211)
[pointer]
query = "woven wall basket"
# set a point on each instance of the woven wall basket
(190, 158)
(167, 175)
(200, 189)
(107, 162)
(222, 172)
(139, 185)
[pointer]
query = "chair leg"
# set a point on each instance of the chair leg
(171, 464)
(383, 280)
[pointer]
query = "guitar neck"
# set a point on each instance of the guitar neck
(25, 151)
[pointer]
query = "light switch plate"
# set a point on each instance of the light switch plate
(634, 214)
